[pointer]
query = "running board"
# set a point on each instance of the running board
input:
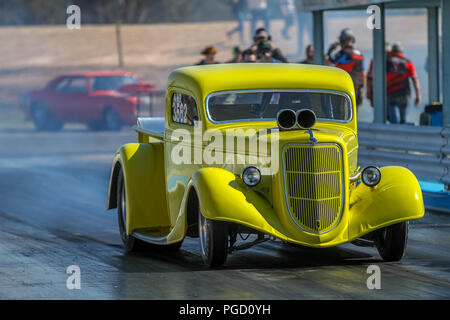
(162, 241)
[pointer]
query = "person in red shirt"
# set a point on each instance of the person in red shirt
(343, 55)
(398, 72)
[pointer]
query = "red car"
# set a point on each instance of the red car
(102, 100)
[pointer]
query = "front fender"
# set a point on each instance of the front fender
(223, 197)
(396, 198)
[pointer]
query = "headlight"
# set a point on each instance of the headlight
(251, 176)
(371, 176)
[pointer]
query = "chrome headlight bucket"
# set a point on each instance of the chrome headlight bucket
(371, 176)
(251, 176)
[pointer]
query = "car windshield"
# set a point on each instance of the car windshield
(111, 82)
(260, 105)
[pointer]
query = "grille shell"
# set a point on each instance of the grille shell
(313, 181)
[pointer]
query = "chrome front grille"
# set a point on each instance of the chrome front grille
(313, 181)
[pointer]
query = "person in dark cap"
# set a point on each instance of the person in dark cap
(266, 53)
(262, 35)
(343, 55)
(237, 55)
(210, 56)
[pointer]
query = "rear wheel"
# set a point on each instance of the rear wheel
(131, 243)
(112, 120)
(42, 118)
(213, 241)
(392, 241)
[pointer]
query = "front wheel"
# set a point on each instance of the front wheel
(213, 241)
(392, 241)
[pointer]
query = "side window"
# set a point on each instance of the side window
(184, 109)
(77, 84)
(62, 85)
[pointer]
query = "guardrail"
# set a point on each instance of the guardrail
(424, 150)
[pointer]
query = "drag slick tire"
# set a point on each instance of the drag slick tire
(131, 243)
(213, 241)
(392, 241)
(43, 119)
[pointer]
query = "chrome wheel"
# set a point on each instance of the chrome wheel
(123, 206)
(202, 234)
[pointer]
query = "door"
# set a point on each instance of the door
(72, 99)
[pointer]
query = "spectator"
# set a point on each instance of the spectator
(258, 11)
(369, 90)
(343, 55)
(239, 8)
(237, 55)
(288, 10)
(398, 72)
(309, 55)
(266, 53)
(249, 56)
(262, 35)
(210, 56)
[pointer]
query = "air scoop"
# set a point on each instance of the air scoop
(305, 118)
(286, 119)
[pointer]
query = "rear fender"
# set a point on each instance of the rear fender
(142, 166)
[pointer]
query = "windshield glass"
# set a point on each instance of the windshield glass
(260, 105)
(111, 82)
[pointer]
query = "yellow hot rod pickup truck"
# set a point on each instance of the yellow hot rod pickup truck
(267, 150)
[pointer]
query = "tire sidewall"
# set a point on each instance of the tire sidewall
(112, 120)
(393, 241)
(42, 118)
(213, 242)
(127, 240)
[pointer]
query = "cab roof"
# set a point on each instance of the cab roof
(207, 79)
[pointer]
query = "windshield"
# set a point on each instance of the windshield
(111, 82)
(260, 105)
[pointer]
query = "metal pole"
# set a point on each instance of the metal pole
(445, 11)
(379, 70)
(119, 8)
(318, 35)
(433, 54)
